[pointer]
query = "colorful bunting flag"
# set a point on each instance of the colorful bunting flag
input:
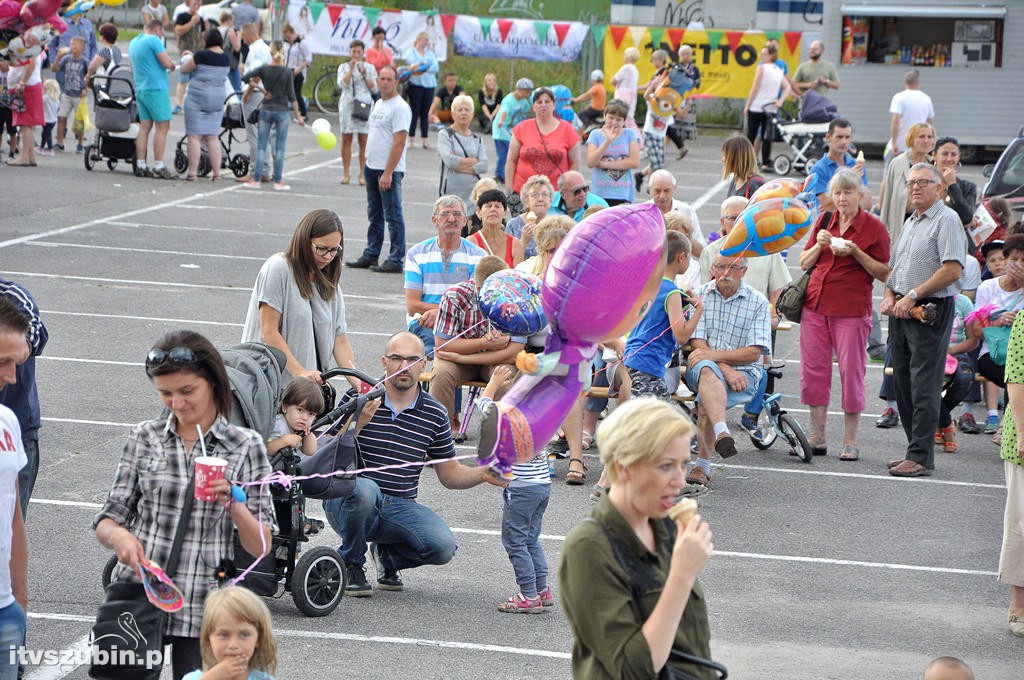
(448, 23)
(485, 25)
(561, 30)
(372, 13)
(504, 26)
(735, 39)
(597, 32)
(638, 33)
(542, 28)
(314, 10)
(792, 40)
(675, 36)
(618, 33)
(657, 33)
(714, 38)
(334, 11)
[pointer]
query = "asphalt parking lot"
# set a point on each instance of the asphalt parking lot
(826, 570)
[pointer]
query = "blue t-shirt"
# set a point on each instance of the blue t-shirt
(613, 184)
(253, 675)
(653, 357)
(74, 75)
(150, 74)
(515, 111)
(825, 169)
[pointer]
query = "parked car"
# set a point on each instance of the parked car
(1006, 176)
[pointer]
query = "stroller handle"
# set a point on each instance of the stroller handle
(349, 400)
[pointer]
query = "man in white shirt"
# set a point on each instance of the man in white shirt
(385, 168)
(14, 350)
(909, 107)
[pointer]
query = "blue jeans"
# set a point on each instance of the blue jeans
(27, 475)
(384, 207)
(501, 146)
(12, 635)
(280, 121)
(521, 520)
(235, 78)
(407, 534)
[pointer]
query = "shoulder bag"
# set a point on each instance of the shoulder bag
(325, 387)
(360, 109)
(442, 188)
(337, 454)
(641, 575)
(127, 639)
(790, 302)
(997, 338)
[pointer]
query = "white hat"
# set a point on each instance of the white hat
(597, 74)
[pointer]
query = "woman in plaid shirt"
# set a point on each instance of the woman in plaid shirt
(144, 506)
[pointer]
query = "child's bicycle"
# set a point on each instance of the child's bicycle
(773, 422)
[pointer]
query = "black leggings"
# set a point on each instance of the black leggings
(186, 655)
(759, 122)
(298, 81)
(420, 99)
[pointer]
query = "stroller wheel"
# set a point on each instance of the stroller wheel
(318, 583)
(89, 158)
(108, 571)
(811, 162)
(180, 161)
(204, 165)
(781, 165)
(112, 164)
(240, 165)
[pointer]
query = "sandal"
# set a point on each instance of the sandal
(948, 435)
(597, 492)
(216, 178)
(191, 178)
(576, 477)
(587, 440)
(312, 526)
(345, 179)
(849, 452)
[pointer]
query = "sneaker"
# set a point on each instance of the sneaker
(141, 172)
(749, 423)
(546, 598)
(357, 585)
(243, 179)
(967, 424)
(387, 579)
(46, 152)
(558, 447)
(991, 424)
(79, 148)
(58, 147)
(888, 419)
(520, 604)
(163, 173)
(725, 446)
(281, 186)
(252, 184)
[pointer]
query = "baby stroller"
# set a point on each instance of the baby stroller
(231, 121)
(116, 119)
(316, 580)
(806, 137)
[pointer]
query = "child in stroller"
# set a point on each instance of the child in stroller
(301, 401)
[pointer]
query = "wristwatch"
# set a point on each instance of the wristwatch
(912, 295)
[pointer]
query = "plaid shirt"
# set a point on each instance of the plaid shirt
(739, 321)
(459, 310)
(149, 492)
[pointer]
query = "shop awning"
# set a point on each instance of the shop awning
(930, 11)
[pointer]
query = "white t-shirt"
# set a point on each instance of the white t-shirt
(12, 459)
(259, 54)
(914, 107)
(970, 279)
(772, 78)
(16, 73)
(991, 293)
(657, 125)
(388, 117)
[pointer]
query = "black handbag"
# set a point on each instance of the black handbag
(127, 639)
(360, 109)
(790, 302)
(336, 454)
(254, 117)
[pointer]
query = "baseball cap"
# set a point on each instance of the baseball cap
(987, 248)
(597, 74)
(524, 84)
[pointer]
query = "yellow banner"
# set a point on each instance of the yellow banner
(726, 59)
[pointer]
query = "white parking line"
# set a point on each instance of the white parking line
(90, 246)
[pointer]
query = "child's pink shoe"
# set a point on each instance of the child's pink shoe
(520, 604)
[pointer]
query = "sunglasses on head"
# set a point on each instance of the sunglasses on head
(178, 356)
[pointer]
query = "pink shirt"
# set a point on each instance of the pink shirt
(542, 154)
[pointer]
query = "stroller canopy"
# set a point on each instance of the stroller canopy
(817, 108)
(255, 371)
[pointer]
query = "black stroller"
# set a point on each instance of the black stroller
(116, 120)
(316, 579)
(232, 120)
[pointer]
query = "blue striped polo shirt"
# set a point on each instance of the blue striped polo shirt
(427, 271)
(418, 433)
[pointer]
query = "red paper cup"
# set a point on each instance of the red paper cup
(208, 470)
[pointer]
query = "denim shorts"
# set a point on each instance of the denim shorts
(732, 398)
(12, 635)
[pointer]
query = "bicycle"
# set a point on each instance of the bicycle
(326, 93)
(773, 422)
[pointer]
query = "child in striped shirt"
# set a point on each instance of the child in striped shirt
(526, 499)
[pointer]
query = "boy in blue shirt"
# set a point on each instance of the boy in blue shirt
(649, 346)
(74, 67)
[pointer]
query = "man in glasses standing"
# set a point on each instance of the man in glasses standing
(574, 196)
(407, 427)
(926, 263)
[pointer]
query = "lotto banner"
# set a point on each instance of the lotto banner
(519, 38)
(727, 59)
(331, 28)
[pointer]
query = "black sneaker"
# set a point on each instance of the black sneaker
(387, 579)
(357, 585)
(142, 172)
(388, 267)
(889, 419)
(361, 263)
(162, 173)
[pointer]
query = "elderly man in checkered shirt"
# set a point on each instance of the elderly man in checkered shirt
(725, 362)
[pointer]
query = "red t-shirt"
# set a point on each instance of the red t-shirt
(478, 238)
(379, 59)
(839, 286)
(542, 154)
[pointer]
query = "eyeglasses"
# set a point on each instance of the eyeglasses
(911, 183)
(327, 251)
(539, 194)
(726, 267)
(582, 190)
(449, 215)
(398, 358)
(179, 356)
